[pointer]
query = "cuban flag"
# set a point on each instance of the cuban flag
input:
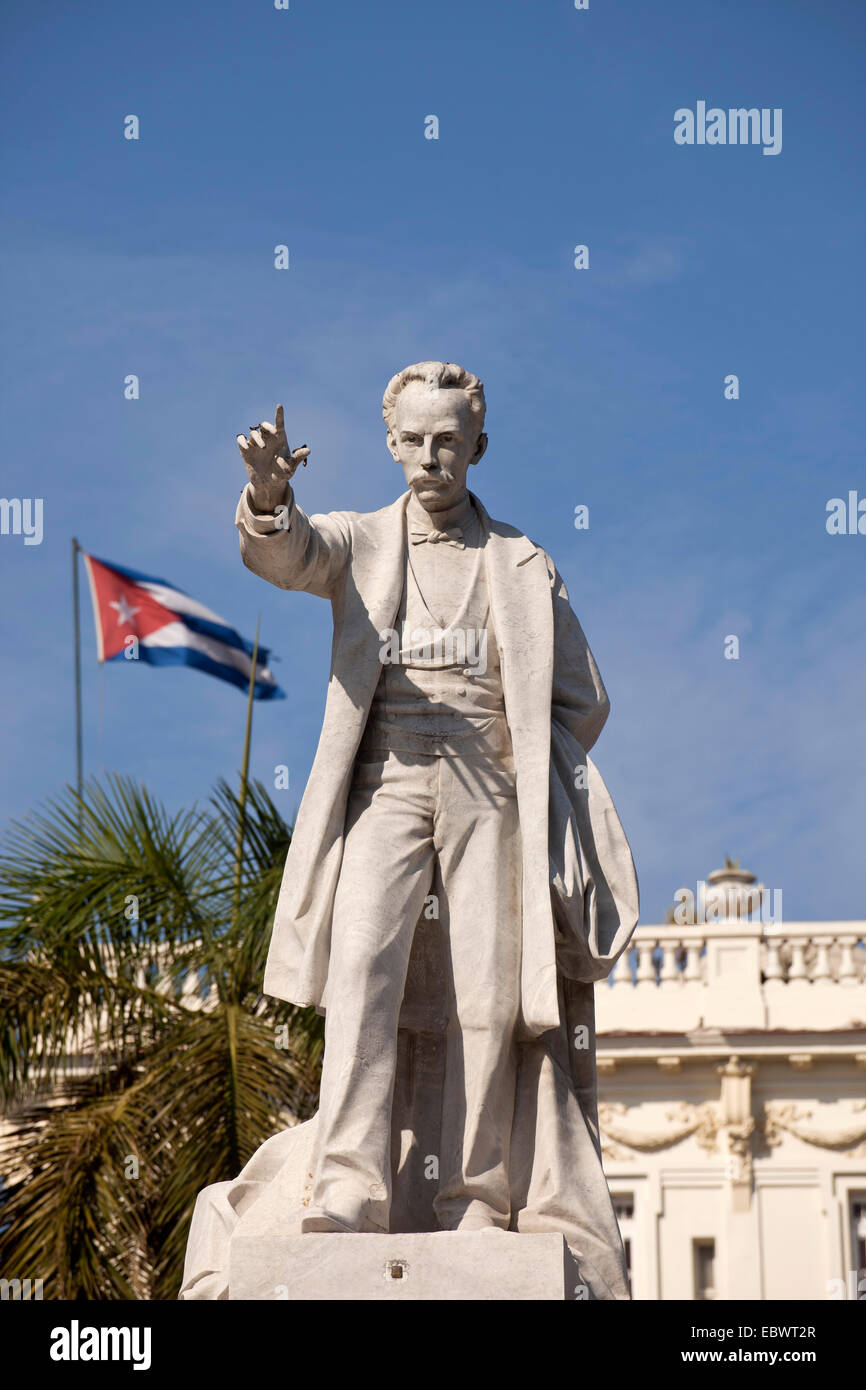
(171, 629)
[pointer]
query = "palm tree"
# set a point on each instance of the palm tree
(139, 1060)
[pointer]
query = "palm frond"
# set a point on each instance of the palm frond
(78, 1217)
(137, 1039)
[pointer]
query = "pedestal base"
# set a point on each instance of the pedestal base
(444, 1266)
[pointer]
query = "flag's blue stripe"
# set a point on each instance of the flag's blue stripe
(205, 626)
(187, 656)
(228, 635)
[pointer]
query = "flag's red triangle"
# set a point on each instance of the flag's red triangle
(123, 609)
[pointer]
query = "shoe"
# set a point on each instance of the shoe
(478, 1223)
(317, 1220)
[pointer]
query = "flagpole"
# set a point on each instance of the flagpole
(242, 800)
(76, 609)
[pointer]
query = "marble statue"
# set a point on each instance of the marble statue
(458, 878)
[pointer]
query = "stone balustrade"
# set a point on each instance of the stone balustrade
(738, 974)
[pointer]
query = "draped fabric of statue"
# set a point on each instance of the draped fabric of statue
(575, 912)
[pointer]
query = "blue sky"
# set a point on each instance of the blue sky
(604, 386)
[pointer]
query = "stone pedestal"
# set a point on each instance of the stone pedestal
(442, 1266)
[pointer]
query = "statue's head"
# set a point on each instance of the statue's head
(434, 414)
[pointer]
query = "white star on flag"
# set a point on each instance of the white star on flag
(171, 628)
(125, 613)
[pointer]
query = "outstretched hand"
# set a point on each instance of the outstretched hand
(269, 462)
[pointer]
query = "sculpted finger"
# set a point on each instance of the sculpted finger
(267, 428)
(278, 418)
(256, 438)
(243, 444)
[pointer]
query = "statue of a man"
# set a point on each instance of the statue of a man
(451, 781)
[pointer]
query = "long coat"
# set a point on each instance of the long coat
(579, 890)
(579, 902)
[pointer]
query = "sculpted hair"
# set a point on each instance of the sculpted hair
(435, 375)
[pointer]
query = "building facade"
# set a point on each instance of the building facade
(732, 1100)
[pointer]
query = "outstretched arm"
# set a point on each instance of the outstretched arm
(278, 541)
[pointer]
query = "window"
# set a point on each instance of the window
(623, 1206)
(858, 1233)
(704, 1265)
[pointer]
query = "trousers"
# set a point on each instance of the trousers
(410, 815)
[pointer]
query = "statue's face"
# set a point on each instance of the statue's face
(435, 439)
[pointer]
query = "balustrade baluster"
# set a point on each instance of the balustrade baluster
(692, 971)
(646, 970)
(669, 974)
(847, 967)
(798, 974)
(821, 968)
(773, 968)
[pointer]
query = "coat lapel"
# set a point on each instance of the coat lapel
(298, 959)
(369, 604)
(522, 613)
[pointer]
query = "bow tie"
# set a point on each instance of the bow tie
(451, 536)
